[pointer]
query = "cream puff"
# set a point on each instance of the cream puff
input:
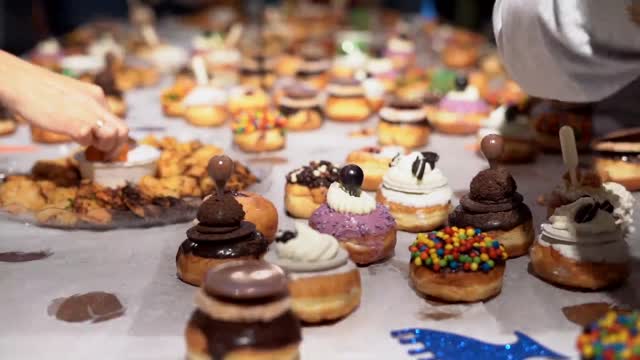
(364, 228)
(301, 105)
(205, 106)
(306, 188)
(247, 99)
(516, 129)
(404, 123)
(495, 206)
(582, 247)
(259, 211)
(243, 312)
(259, 131)
(459, 57)
(224, 63)
(457, 264)
(617, 157)
(164, 57)
(171, 100)
(381, 69)
(412, 84)
(461, 111)
(416, 192)
(221, 235)
(346, 101)
(324, 283)
(374, 162)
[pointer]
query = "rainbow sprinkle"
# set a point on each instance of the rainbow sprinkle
(249, 122)
(615, 336)
(457, 249)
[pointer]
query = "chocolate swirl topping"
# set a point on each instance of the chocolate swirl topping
(419, 164)
(492, 204)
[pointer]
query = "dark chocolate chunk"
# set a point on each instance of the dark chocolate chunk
(606, 206)
(586, 213)
(284, 236)
(431, 158)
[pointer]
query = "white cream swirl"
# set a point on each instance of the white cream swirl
(205, 96)
(309, 245)
(400, 185)
(402, 115)
(48, 47)
(341, 201)
(470, 93)
(599, 240)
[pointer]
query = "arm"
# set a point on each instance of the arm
(60, 104)
(570, 50)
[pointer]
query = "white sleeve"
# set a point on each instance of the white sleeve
(569, 50)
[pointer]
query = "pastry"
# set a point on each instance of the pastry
(83, 67)
(416, 192)
(374, 162)
(247, 99)
(171, 100)
(288, 63)
(513, 124)
(314, 69)
(459, 57)
(224, 63)
(107, 82)
(615, 336)
(461, 111)
(401, 50)
(381, 69)
(40, 135)
(164, 57)
(205, 106)
(458, 264)
(375, 92)
(412, 85)
(258, 71)
(243, 312)
(300, 104)
(504, 91)
(346, 101)
(324, 283)
(617, 157)
(185, 78)
(138, 162)
(221, 235)
(582, 247)
(554, 116)
(442, 82)
(105, 45)
(404, 123)
(365, 229)
(259, 131)
(306, 188)
(494, 205)
(590, 184)
(259, 211)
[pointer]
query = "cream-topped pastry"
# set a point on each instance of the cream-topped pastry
(375, 162)
(205, 95)
(416, 192)
(516, 130)
(366, 229)
(166, 57)
(78, 65)
(324, 283)
(582, 246)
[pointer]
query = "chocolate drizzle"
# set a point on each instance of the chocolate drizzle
(225, 336)
(419, 164)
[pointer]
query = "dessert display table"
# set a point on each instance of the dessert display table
(138, 265)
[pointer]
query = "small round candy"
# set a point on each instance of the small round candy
(461, 82)
(351, 177)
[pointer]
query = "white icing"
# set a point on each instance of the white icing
(202, 42)
(48, 47)
(379, 65)
(373, 88)
(345, 90)
(205, 96)
(399, 185)
(309, 245)
(496, 123)
(105, 45)
(224, 57)
(167, 57)
(356, 60)
(82, 64)
(314, 66)
(599, 240)
(341, 201)
(402, 115)
(399, 45)
(470, 93)
(345, 268)
(300, 103)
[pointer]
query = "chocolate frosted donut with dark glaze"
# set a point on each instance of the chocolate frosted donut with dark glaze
(492, 204)
(245, 286)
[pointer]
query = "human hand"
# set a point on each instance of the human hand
(61, 104)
